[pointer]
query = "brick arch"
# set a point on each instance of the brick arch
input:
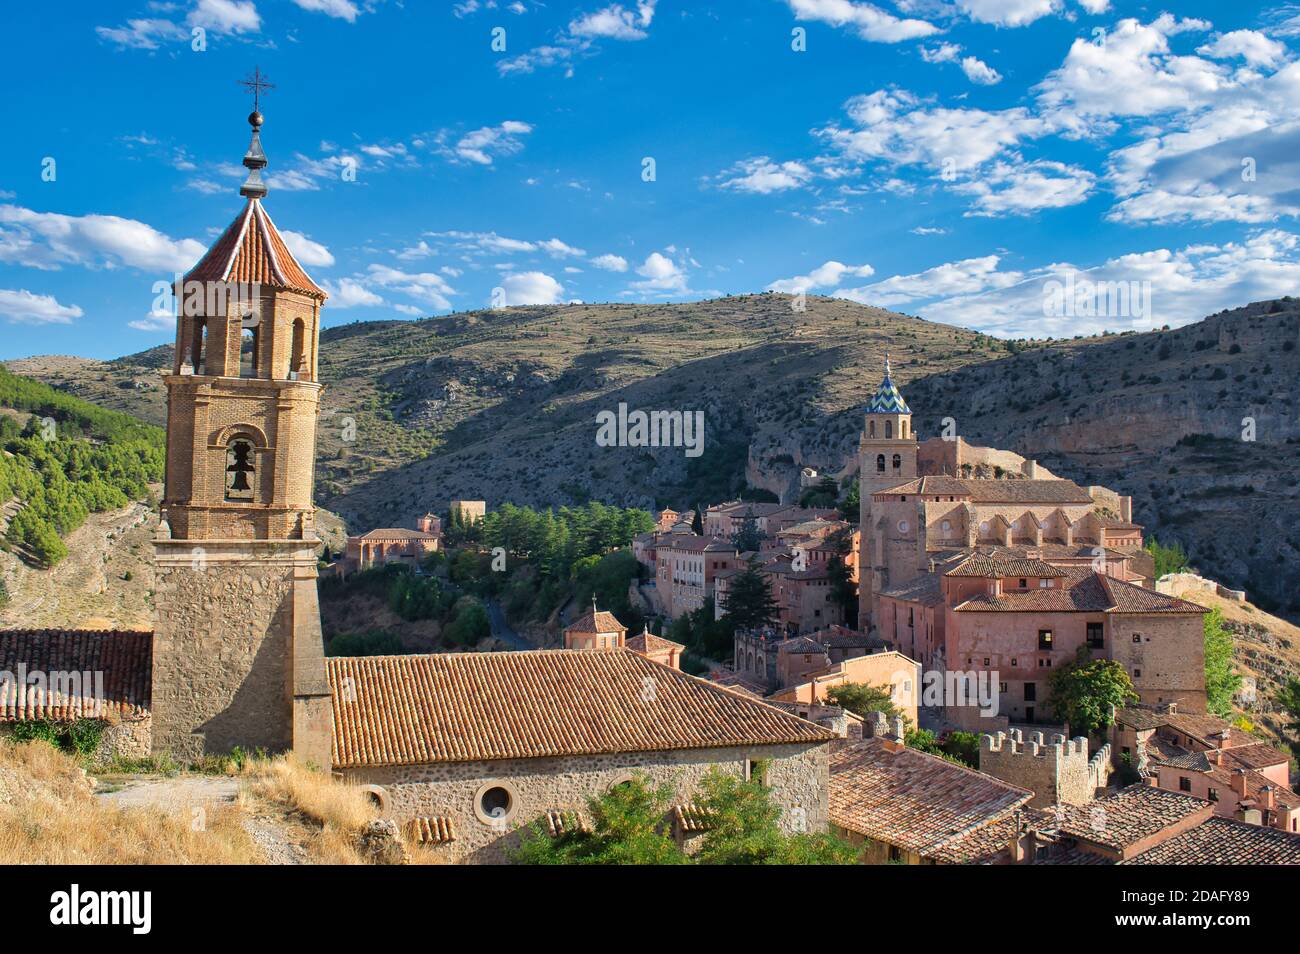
(223, 437)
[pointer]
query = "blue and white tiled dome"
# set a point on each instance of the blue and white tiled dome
(888, 399)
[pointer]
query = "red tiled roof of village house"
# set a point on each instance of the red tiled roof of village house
(1257, 755)
(397, 533)
(125, 657)
(1085, 591)
(981, 490)
(979, 564)
(916, 801)
(1129, 816)
(471, 707)
(596, 621)
(1224, 841)
(250, 251)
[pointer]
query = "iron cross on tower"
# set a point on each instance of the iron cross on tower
(255, 83)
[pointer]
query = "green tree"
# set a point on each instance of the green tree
(850, 506)
(748, 538)
(862, 699)
(744, 828)
(749, 599)
(1288, 698)
(822, 495)
(627, 828)
(1221, 682)
(1086, 691)
(1170, 559)
(697, 521)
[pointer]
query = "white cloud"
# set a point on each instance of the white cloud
(226, 16)
(615, 22)
(1095, 7)
(1131, 71)
(306, 251)
(661, 275)
(870, 22)
(762, 176)
(531, 288)
(350, 293)
(829, 273)
(1185, 285)
(893, 126)
(1255, 48)
(1012, 13)
(341, 9)
(979, 72)
(428, 287)
(143, 34)
(24, 307)
(952, 278)
(557, 249)
(928, 230)
(482, 145)
(49, 240)
(611, 263)
(1019, 188)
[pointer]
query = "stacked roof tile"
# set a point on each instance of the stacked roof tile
(123, 657)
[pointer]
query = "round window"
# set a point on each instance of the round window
(902, 526)
(984, 527)
(495, 803)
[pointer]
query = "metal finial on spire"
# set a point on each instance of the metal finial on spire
(255, 159)
(886, 364)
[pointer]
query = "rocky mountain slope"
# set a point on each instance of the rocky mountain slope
(502, 405)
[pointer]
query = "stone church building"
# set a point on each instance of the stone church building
(461, 748)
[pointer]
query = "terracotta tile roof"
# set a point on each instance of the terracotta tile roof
(396, 533)
(125, 657)
(800, 644)
(1082, 591)
(596, 621)
(1223, 841)
(252, 250)
(430, 830)
(996, 566)
(982, 490)
(1130, 815)
(917, 801)
(1256, 756)
(1202, 726)
(650, 643)
(469, 707)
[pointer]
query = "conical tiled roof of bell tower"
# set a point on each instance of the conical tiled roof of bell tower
(251, 250)
(888, 399)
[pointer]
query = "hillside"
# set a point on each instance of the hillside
(502, 405)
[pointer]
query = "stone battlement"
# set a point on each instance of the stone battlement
(1057, 770)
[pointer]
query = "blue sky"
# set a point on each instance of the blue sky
(946, 159)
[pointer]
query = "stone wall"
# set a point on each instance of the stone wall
(1058, 772)
(237, 649)
(1180, 584)
(798, 776)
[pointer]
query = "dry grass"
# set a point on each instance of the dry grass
(329, 802)
(49, 815)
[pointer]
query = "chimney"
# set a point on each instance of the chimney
(1239, 782)
(1270, 798)
(1214, 756)
(1126, 509)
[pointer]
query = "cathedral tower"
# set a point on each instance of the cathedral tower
(886, 457)
(238, 658)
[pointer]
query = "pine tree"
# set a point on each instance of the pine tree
(749, 599)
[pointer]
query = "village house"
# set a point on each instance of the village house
(685, 569)
(881, 668)
(727, 519)
(465, 745)
(992, 610)
(1202, 755)
(908, 807)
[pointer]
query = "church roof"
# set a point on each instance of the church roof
(125, 657)
(472, 707)
(596, 621)
(888, 399)
(252, 250)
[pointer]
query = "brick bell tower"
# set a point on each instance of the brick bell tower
(238, 658)
(887, 453)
